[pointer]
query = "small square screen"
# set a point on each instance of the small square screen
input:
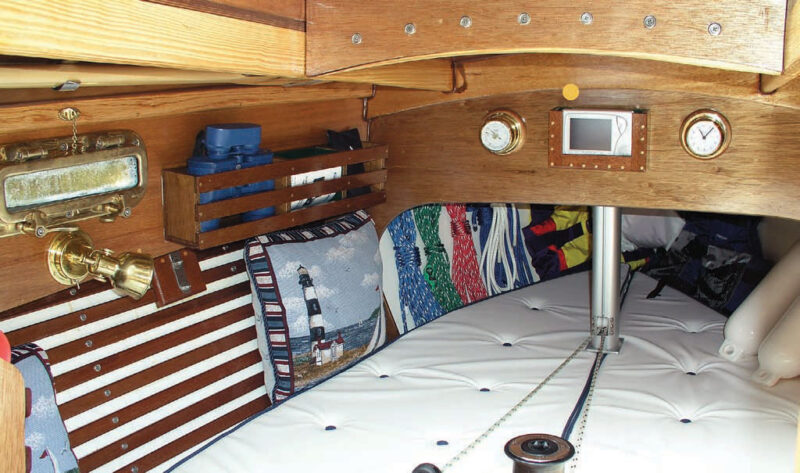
(590, 134)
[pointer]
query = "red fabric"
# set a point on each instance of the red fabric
(562, 260)
(5, 348)
(464, 269)
(547, 226)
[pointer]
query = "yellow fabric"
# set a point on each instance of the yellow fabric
(565, 216)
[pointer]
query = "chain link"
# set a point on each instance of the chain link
(75, 135)
(516, 407)
(585, 414)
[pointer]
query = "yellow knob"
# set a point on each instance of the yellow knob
(570, 91)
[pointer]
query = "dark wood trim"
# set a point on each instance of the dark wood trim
(142, 378)
(246, 14)
(142, 407)
(196, 437)
(122, 359)
(171, 422)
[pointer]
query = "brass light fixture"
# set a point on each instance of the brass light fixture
(72, 258)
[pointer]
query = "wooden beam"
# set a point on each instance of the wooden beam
(435, 74)
(93, 75)
(791, 54)
(12, 418)
(263, 11)
(496, 75)
(17, 118)
(147, 34)
(749, 37)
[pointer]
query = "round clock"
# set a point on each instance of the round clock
(503, 132)
(705, 134)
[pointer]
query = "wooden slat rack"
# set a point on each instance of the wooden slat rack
(183, 213)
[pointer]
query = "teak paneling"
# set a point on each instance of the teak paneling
(147, 34)
(436, 156)
(751, 38)
(281, 13)
(169, 141)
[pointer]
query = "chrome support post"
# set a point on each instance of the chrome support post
(606, 230)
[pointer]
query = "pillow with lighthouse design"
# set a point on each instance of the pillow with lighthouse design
(317, 300)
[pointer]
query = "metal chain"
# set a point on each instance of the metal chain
(75, 134)
(516, 407)
(585, 414)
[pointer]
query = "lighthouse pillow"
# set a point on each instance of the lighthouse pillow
(317, 300)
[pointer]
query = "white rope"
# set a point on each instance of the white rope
(494, 251)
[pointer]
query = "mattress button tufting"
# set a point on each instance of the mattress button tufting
(506, 344)
(485, 390)
(691, 373)
(330, 427)
(686, 421)
(442, 443)
(384, 376)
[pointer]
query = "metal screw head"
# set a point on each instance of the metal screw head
(649, 22)
(73, 291)
(587, 18)
(356, 38)
(115, 420)
(134, 469)
(69, 214)
(524, 18)
(465, 21)
(82, 317)
(714, 29)
(40, 232)
(124, 446)
(97, 368)
(233, 268)
(410, 28)
(107, 393)
(126, 212)
(88, 344)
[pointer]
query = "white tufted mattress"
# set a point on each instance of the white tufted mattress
(666, 403)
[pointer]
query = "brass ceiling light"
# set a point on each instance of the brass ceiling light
(71, 258)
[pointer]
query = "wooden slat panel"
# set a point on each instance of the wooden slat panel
(292, 219)
(171, 422)
(123, 359)
(290, 167)
(143, 378)
(99, 312)
(751, 37)
(280, 196)
(96, 110)
(198, 436)
(141, 33)
(89, 288)
(248, 11)
(142, 407)
(435, 74)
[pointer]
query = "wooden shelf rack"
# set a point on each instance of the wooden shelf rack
(183, 213)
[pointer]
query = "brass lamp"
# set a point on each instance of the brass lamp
(71, 258)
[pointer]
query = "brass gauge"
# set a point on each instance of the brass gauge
(503, 132)
(705, 134)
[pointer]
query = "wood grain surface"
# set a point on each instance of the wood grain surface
(281, 13)
(169, 141)
(496, 75)
(791, 53)
(12, 419)
(436, 156)
(147, 34)
(751, 38)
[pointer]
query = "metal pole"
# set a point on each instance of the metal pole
(606, 229)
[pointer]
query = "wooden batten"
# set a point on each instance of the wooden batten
(497, 75)
(342, 34)
(12, 419)
(434, 74)
(97, 110)
(791, 54)
(141, 385)
(147, 34)
(281, 13)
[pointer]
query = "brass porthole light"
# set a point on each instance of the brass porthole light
(705, 134)
(502, 132)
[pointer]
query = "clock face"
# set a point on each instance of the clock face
(705, 134)
(495, 135)
(704, 138)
